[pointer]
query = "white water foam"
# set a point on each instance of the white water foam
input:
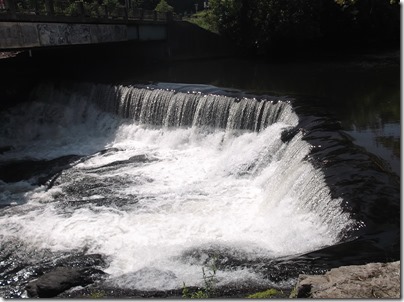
(245, 192)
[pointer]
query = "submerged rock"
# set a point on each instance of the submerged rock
(39, 171)
(373, 280)
(59, 280)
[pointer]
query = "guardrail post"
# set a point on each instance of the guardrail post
(50, 10)
(10, 4)
(141, 14)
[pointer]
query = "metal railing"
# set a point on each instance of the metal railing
(46, 10)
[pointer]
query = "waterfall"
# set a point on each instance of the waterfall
(169, 108)
(162, 173)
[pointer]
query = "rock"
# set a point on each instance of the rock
(40, 170)
(59, 280)
(82, 261)
(373, 280)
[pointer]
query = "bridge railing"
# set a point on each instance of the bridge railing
(95, 10)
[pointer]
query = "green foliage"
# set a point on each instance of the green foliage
(93, 9)
(264, 295)
(71, 9)
(226, 15)
(137, 3)
(164, 7)
(200, 294)
(97, 295)
(260, 25)
(112, 6)
(293, 293)
(210, 281)
(204, 19)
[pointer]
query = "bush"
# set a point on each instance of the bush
(163, 7)
(204, 19)
(262, 25)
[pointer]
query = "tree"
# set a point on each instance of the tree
(164, 7)
(259, 24)
(263, 25)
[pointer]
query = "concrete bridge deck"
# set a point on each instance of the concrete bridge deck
(49, 24)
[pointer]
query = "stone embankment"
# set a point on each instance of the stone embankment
(373, 280)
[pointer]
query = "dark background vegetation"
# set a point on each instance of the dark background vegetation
(284, 26)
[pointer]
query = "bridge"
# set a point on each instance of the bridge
(29, 24)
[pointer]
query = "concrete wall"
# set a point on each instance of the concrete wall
(179, 39)
(20, 35)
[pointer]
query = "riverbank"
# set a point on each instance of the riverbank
(369, 281)
(373, 280)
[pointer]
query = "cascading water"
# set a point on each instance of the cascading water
(161, 176)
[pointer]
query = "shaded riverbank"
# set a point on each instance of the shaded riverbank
(373, 280)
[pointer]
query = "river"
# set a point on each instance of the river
(251, 170)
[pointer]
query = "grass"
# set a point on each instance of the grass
(97, 295)
(269, 293)
(204, 19)
(209, 279)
